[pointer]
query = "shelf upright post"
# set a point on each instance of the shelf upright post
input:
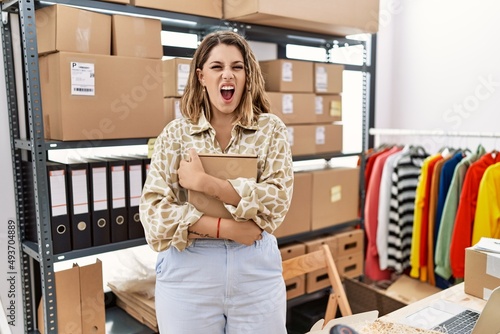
(24, 17)
(22, 267)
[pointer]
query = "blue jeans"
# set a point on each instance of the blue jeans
(221, 287)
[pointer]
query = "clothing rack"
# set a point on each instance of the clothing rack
(431, 133)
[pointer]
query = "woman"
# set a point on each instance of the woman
(219, 275)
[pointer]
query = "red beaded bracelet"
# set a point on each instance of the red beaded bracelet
(218, 227)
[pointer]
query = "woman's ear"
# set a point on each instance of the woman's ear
(199, 74)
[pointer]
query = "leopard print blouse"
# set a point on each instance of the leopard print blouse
(165, 213)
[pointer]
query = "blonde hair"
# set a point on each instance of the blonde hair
(254, 101)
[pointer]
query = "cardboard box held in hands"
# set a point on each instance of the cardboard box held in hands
(222, 166)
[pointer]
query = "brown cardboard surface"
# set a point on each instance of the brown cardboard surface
(69, 320)
(126, 103)
(328, 138)
(335, 197)
(350, 265)
(293, 108)
(296, 286)
(172, 108)
(328, 78)
(351, 242)
(223, 166)
(328, 108)
(408, 290)
(482, 273)
(136, 37)
(292, 250)
(287, 76)
(92, 299)
(298, 218)
(318, 279)
(209, 8)
(138, 306)
(301, 139)
(66, 28)
(333, 17)
(175, 73)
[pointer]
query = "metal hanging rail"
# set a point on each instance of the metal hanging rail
(435, 133)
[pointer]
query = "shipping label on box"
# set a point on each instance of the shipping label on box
(293, 108)
(328, 108)
(118, 104)
(175, 76)
(287, 76)
(335, 197)
(329, 138)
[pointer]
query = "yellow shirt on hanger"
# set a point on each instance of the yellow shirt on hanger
(487, 219)
(417, 220)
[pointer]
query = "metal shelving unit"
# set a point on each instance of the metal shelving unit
(25, 111)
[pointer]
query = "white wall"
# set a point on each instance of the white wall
(438, 68)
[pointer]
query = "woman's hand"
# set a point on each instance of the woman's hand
(191, 173)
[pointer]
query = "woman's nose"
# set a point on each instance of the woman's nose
(227, 74)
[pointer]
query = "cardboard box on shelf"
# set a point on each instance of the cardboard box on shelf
(301, 139)
(482, 272)
(66, 28)
(172, 108)
(337, 17)
(328, 78)
(175, 73)
(293, 108)
(319, 279)
(335, 196)
(328, 138)
(134, 36)
(222, 166)
(328, 108)
(89, 97)
(350, 242)
(298, 219)
(296, 286)
(209, 8)
(350, 265)
(287, 76)
(80, 300)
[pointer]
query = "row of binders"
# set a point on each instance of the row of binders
(95, 201)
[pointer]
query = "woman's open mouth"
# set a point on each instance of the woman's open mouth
(227, 92)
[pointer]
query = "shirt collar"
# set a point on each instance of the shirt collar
(204, 125)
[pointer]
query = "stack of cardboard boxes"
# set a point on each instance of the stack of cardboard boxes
(101, 75)
(177, 71)
(306, 96)
(347, 251)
